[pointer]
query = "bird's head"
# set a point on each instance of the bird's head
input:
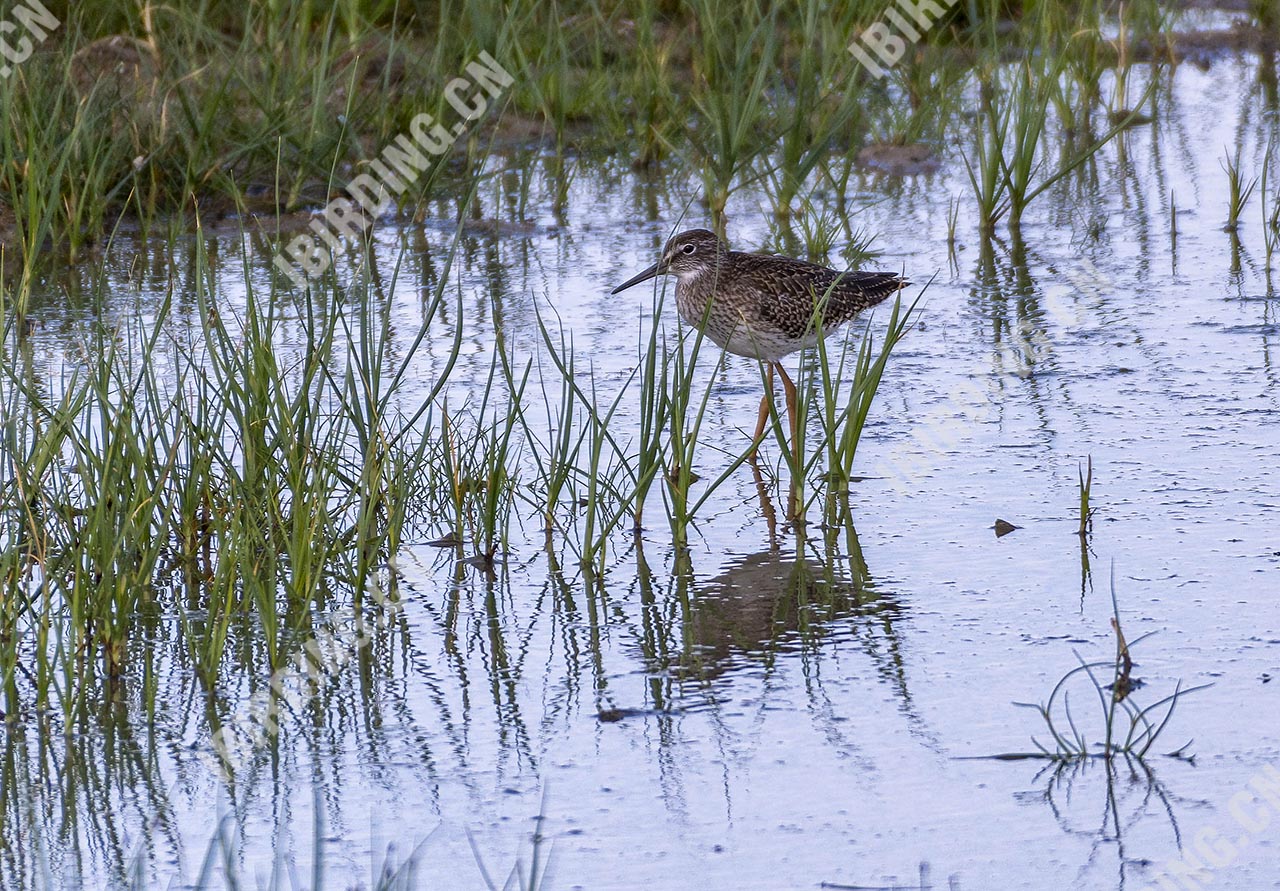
(685, 255)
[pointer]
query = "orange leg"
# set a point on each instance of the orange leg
(793, 498)
(790, 389)
(763, 419)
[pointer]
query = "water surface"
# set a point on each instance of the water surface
(768, 711)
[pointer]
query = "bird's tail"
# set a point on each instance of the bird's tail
(873, 287)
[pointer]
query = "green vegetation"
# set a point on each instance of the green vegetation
(1239, 191)
(257, 480)
(226, 467)
(140, 112)
(1127, 729)
(208, 486)
(229, 488)
(1086, 491)
(227, 470)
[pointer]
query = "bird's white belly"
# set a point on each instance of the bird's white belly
(755, 343)
(731, 329)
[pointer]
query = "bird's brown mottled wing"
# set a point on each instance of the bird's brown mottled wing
(788, 290)
(858, 291)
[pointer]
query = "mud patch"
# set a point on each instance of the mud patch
(900, 160)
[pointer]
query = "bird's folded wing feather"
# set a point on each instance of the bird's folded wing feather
(788, 296)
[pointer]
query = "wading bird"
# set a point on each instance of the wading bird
(761, 306)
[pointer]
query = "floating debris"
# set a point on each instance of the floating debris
(1003, 528)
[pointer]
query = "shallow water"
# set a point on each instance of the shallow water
(778, 713)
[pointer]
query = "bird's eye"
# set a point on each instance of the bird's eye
(689, 248)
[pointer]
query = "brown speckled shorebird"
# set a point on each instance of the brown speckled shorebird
(762, 306)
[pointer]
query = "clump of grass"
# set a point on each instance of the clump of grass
(654, 408)
(482, 461)
(684, 414)
(1127, 728)
(227, 470)
(847, 394)
(841, 392)
(1086, 489)
(819, 229)
(604, 506)
(1239, 191)
(581, 458)
(738, 54)
(814, 231)
(813, 104)
(1006, 165)
(556, 460)
(153, 111)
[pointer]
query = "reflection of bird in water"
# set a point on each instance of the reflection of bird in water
(762, 607)
(759, 608)
(754, 607)
(771, 602)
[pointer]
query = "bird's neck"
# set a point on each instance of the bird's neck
(704, 277)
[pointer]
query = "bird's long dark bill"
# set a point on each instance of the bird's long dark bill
(649, 273)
